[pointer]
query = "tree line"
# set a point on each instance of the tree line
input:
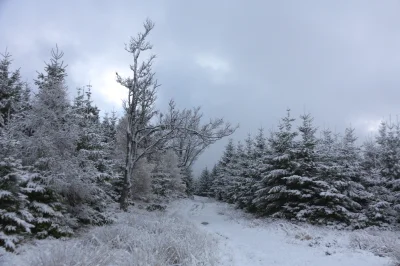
(300, 175)
(62, 165)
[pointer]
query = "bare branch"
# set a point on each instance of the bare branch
(180, 131)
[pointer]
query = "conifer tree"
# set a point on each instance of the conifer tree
(14, 94)
(388, 141)
(246, 175)
(344, 196)
(236, 174)
(259, 157)
(253, 166)
(323, 205)
(187, 178)
(204, 183)
(15, 218)
(273, 192)
(213, 176)
(379, 211)
(92, 165)
(223, 178)
(49, 150)
(304, 184)
(166, 177)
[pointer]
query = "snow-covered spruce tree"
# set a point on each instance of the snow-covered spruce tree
(86, 194)
(260, 158)
(351, 171)
(50, 148)
(388, 145)
(110, 164)
(204, 183)
(304, 185)
(323, 205)
(187, 177)
(224, 174)
(48, 140)
(213, 176)
(109, 125)
(388, 141)
(242, 176)
(274, 196)
(109, 132)
(47, 207)
(294, 188)
(52, 135)
(15, 219)
(344, 197)
(379, 211)
(234, 174)
(248, 166)
(37, 210)
(14, 94)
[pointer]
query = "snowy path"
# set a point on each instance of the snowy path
(251, 243)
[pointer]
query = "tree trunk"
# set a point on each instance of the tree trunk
(126, 184)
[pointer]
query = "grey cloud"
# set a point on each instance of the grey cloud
(338, 60)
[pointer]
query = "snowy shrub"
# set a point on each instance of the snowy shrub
(156, 239)
(141, 181)
(69, 253)
(167, 179)
(381, 243)
(156, 207)
(77, 192)
(140, 238)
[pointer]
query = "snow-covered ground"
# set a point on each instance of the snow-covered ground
(136, 238)
(245, 240)
(201, 231)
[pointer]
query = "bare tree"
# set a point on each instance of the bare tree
(190, 143)
(148, 130)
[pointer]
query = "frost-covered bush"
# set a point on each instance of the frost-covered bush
(66, 253)
(140, 239)
(167, 179)
(141, 180)
(381, 243)
(156, 207)
(157, 239)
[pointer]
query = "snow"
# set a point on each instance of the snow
(202, 231)
(4, 193)
(137, 237)
(44, 208)
(13, 216)
(249, 241)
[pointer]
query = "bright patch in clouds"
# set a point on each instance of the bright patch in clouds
(110, 89)
(217, 67)
(213, 63)
(369, 125)
(102, 79)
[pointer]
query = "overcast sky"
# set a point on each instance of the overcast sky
(246, 61)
